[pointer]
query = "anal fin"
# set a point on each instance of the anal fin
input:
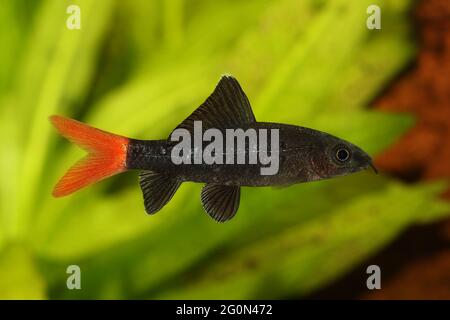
(157, 189)
(221, 202)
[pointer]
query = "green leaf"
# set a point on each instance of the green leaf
(20, 277)
(307, 256)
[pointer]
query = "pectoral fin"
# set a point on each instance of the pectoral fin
(157, 189)
(221, 202)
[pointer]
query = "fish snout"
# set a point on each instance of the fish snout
(365, 161)
(368, 163)
(373, 167)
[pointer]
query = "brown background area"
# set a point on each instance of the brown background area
(417, 265)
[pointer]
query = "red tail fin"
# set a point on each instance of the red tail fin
(107, 154)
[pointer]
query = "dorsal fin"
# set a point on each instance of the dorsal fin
(227, 107)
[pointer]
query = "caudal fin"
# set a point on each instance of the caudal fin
(107, 155)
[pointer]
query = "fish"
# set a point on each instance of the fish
(302, 155)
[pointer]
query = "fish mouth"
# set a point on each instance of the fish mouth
(373, 167)
(365, 161)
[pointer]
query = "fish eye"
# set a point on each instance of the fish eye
(342, 154)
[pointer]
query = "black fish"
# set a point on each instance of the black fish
(302, 155)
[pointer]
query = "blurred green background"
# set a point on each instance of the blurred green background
(138, 68)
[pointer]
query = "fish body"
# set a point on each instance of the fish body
(302, 158)
(287, 154)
